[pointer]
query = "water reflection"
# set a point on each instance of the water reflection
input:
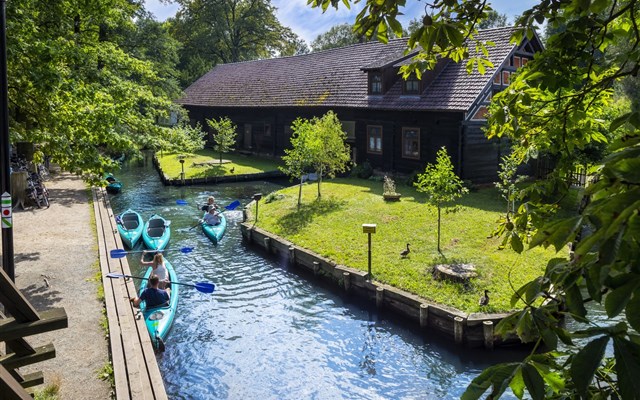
(268, 333)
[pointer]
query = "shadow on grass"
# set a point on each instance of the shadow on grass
(295, 221)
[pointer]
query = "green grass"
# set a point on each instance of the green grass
(332, 227)
(205, 163)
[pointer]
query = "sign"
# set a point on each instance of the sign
(368, 228)
(6, 211)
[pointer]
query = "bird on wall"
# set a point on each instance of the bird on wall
(484, 300)
(404, 253)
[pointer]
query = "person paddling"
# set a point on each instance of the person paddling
(211, 201)
(153, 296)
(212, 217)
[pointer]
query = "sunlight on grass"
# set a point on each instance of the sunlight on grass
(332, 227)
(206, 163)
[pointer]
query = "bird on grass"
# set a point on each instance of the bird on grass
(404, 253)
(232, 169)
(484, 300)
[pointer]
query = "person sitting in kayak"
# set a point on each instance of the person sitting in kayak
(159, 268)
(212, 217)
(211, 201)
(152, 295)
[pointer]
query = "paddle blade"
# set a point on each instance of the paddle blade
(181, 202)
(118, 253)
(205, 287)
(233, 205)
(186, 249)
(115, 275)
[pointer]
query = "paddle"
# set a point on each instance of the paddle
(119, 253)
(203, 287)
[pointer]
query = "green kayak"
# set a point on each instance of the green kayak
(160, 319)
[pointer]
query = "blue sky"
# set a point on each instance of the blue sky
(309, 22)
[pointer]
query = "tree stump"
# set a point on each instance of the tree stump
(455, 273)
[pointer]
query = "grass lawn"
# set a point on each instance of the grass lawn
(205, 163)
(332, 227)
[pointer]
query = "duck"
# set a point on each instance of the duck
(232, 169)
(405, 252)
(484, 300)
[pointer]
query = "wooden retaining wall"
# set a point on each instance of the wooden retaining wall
(215, 179)
(472, 330)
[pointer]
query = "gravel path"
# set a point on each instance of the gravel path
(55, 260)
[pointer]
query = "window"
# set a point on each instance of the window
(412, 85)
(376, 84)
(525, 61)
(481, 113)
(411, 142)
(516, 61)
(374, 139)
(505, 77)
(349, 127)
(496, 79)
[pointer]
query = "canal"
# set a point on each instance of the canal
(268, 333)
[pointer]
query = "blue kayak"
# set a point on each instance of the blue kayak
(160, 319)
(156, 233)
(113, 185)
(130, 226)
(215, 232)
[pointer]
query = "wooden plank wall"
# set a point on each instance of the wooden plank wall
(135, 368)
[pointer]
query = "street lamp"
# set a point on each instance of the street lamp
(181, 158)
(256, 198)
(369, 229)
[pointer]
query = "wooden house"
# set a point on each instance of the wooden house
(396, 125)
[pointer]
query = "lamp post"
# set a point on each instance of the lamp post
(181, 158)
(256, 198)
(369, 229)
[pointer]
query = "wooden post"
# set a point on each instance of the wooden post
(267, 243)
(244, 214)
(458, 329)
(379, 296)
(424, 315)
(316, 268)
(487, 327)
(346, 280)
(292, 255)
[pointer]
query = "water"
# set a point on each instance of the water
(268, 333)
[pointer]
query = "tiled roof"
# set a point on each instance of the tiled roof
(335, 78)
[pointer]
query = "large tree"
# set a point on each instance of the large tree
(337, 36)
(552, 107)
(75, 92)
(225, 31)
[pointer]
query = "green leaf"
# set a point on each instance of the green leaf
(627, 356)
(558, 233)
(396, 27)
(517, 384)
(616, 300)
(632, 311)
(586, 362)
(497, 376)
(573, 298)
(534, 382)
(516, 243)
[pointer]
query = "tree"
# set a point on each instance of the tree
(337, 36)
(297, 159)
(224, 135)
(74, 90)
(551, 107)
(441, 184)
(227, 31)
(493, 20)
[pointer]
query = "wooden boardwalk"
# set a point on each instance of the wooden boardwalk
(135, 368)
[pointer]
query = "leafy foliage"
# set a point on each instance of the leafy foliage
(440, 183)
(554, 107)
(337, 36)
(224, 135)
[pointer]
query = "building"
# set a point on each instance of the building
(396, 125)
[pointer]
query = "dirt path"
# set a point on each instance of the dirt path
(55, 260)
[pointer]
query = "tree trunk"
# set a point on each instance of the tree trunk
(439, 230)
(319, 172)
(300, 193)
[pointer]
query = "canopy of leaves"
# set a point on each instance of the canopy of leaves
(226, 31)
(439, 181)
(337, 36)
(224, 134)
(554, 106)
(74, 90)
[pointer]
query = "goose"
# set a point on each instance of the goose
(405, 252)
(484, 300)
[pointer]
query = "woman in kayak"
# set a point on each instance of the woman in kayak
(157, 263)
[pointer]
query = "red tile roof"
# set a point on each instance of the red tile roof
(335, 78)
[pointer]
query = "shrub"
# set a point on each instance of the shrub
(362, 171)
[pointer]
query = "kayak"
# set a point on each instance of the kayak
(215, 232)
(156, 233)
(130, 226)
(160, 319)
(113, 185)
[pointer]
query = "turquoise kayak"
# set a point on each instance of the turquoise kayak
(130, 226)
(215, 232)
(113, 185)
(160, 319)
(156, 233)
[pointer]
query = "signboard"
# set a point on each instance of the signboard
(368, 228)
(6, 211)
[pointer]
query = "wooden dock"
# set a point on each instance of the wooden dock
(135, 368)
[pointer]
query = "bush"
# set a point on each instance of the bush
(362, 171)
